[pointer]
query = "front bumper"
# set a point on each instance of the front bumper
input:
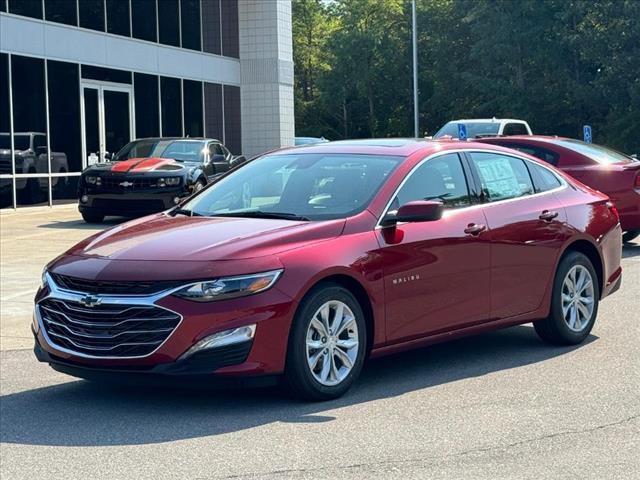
(62, 343)
(130, 204)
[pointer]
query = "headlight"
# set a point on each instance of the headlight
(91, 180)
(229, 287)
(168, 182)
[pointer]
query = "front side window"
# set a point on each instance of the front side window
(502, 177)
(315, 186)
(441, 178)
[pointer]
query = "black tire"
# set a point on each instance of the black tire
(554, 329)
(92, 217)
(628, 237)
(298, 378)
(199, 185)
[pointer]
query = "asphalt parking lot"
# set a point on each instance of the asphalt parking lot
(497, 406)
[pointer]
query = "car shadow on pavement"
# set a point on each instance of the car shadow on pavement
(79, 413)
(631, 250)
(82, 225)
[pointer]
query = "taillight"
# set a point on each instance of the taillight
(638, 180)
(614, 210)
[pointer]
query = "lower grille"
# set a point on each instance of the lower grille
(129, 204)
(107, 330)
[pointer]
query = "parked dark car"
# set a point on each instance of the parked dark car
(358, 249)
(298, 141)
(150, 175)
(602, 168)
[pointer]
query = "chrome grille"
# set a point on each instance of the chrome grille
(106, 330)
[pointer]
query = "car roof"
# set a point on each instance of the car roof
(487, 120)
(385, 146)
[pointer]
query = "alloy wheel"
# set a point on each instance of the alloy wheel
(332, 343)
(578, 298)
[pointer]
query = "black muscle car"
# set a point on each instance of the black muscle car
(150, 175)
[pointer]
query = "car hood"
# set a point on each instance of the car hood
(138, 165)
(180, 238)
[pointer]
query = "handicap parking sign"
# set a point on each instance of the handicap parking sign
(587, 134)
(462, 132)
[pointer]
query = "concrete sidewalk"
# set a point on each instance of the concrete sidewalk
(29, 239)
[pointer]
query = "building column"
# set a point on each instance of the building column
(266, 72)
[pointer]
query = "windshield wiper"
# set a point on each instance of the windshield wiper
(259, 214)
(185, 211)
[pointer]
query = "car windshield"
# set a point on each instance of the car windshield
(180, 150)
(597, 153)
(20, 141)
(315, 186)
(473, 129)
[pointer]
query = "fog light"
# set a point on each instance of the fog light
(222, 339)
(84, 198)
(176, 200)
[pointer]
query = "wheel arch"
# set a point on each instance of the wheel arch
(590, 250)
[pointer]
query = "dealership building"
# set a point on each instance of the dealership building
(81, 78)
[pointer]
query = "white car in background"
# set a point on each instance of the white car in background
(485, 127)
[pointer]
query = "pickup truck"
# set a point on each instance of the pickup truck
(485, 127)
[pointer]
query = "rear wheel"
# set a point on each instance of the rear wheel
(628, 237)
(574, 304)
(327, 344)
(92, 217)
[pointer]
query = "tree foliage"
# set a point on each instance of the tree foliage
(558, 64)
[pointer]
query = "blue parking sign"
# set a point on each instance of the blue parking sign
(462, 132)
(587, 133)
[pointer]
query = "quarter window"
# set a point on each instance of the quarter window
(441, 178)
(545, 179)
(502, 177)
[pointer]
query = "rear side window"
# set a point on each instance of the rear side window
(515, 129)
(544, 178)
(441, 178)
(502, 177)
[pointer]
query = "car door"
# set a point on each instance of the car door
(217, 159)
(436, 274)
(527, 228)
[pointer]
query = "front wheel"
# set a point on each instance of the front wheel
(628, 237)
(327, 344)
(574, 304)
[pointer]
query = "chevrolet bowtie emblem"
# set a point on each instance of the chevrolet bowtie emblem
(126, 184)
(90, 301)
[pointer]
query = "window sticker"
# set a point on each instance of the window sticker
(499, 178)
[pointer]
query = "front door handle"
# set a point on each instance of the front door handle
(475, 229)
(548, 215)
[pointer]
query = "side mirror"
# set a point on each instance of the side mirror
(417, 211)
(237, 160)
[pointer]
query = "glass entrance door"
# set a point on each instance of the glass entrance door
(107, 120)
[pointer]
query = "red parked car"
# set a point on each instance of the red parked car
(305, 261)
(599, 167)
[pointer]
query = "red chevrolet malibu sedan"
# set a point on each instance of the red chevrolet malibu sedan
(602, 168)
(306, 261)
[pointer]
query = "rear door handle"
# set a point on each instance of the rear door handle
(548, 215)
(474, 229)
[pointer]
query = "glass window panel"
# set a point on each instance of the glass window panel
(502, 177)
(91, 124)
(232, 125)
(3, 6)
(213, 111)
(118, 17)
(230, 35)
(61, 11)
(64, 190)
(211, 40)
(171, 107)
(29, 115)
(64, 117)
(117, 120)
(6, 184)
(6, 192)
(92, 14)
(168, 22)
(32, 191)
(106, 74)
(190, 21)
(28, 8)
(192, 108)
(147, 112)
(441, 178)
(143, 20)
